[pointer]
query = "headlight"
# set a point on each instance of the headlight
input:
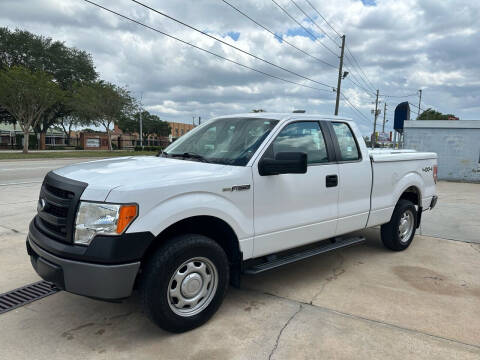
(102, 218)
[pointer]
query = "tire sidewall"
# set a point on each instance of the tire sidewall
(399, 211)
(157, 282)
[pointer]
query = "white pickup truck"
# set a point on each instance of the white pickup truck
(238, 194)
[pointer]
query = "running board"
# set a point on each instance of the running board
(325, 246)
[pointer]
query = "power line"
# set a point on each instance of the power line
(278, 36)
(399, 96)
(202, 49)
(360, 79)
(230, 45)
(360, 86)
(355, 63)
(354, 107)
(309, 3)
(357, 83)
(416, 106)
(313, 21)
(304, 28)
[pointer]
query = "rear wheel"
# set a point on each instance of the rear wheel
(398, 234)
(184, 282)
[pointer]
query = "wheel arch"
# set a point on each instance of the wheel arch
(210, 226)
(413, 194)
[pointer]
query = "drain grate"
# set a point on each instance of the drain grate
(26, 294)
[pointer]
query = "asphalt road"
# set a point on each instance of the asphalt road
(30, 171)
(362, 302)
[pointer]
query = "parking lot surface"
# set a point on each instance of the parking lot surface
(362, 302)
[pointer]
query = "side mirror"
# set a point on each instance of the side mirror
(284, 163)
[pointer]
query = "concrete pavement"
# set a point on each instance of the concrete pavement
(362, 302)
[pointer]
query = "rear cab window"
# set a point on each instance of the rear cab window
(347, 143)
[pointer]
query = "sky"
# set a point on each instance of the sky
(399, 47)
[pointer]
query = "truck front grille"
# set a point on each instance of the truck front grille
(57, 206)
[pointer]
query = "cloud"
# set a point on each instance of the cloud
(401, 45)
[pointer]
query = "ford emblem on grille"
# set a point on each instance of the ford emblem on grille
(41, 205)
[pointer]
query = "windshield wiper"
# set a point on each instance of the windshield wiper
(190, 155)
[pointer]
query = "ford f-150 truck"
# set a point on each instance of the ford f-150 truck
(237, 194)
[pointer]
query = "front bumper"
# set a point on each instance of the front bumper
(100, 281)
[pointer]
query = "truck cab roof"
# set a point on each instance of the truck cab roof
(285, 116)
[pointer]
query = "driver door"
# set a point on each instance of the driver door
(291, 210)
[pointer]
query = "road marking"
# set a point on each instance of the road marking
(22, 183)
(27, 168)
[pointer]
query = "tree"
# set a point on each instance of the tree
(67, 66)
(151, 124)
(26, 95)
(431, 114)
(102, 103)
(159, 127)
(67, 123)
(6, 117)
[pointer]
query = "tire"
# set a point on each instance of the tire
(398, 237)
(184, 282)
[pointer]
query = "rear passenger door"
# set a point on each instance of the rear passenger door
(295, 209)
(354, 180)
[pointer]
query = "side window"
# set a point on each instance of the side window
(346, 140)
(303, 136)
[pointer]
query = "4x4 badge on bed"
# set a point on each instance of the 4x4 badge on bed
(427, 169)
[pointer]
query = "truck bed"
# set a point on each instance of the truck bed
(384, 155)
(393, 172)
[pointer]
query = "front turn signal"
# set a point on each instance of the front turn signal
(126, 215)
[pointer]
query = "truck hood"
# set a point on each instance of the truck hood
(104, 175)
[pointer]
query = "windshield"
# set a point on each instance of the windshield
(226, 141)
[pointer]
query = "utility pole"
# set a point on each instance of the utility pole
(374, 138)
(384, 115)
(419, 102)
(340, 73)
(141, 130)
(141, 120)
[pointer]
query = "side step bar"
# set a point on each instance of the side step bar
(325, 246)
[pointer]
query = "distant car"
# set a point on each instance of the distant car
(238, 194)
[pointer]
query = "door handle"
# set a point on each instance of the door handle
(331, 181)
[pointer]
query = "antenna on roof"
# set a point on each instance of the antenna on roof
(299, 111)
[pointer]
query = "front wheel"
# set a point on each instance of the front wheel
(184, 282)
(398, 234)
